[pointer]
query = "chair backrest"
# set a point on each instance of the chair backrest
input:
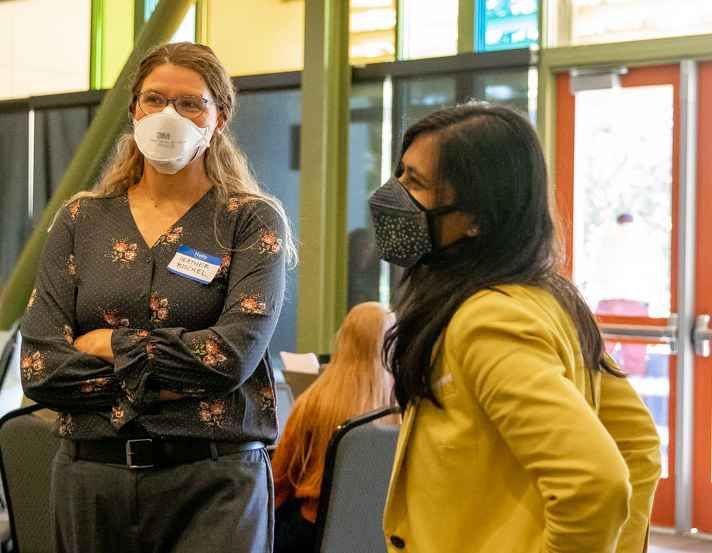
(10, 387)
(357, 471)
(285, 399)
(27, 449)
(298, 381)
(9, 343)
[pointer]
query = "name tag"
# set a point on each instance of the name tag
(195, 265)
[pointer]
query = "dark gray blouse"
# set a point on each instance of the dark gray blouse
(171, 332)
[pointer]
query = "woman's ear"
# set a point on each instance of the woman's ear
(222, 121)
(473, 228)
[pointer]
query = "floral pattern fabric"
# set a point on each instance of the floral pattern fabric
(207, 342)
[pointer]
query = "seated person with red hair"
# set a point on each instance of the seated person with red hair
(354, 383)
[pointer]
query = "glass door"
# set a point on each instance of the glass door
(617, 192)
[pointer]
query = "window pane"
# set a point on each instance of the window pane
(266, 129)
(506, 24)
(186, 30)
(508, 88)
(368, 167)
(36, 56)
(372, 28)
(623, 199)
(422, 96)
(117, 34)
(255, 37)
(599, 21)
(429, 28)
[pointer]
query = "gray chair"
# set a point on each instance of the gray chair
(285, 400)
(11, 396)
(27, 449)
(10, 346)
(357, 472)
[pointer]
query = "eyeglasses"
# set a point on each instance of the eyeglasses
(189, 107)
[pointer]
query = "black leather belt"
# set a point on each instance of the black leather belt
(143, 453)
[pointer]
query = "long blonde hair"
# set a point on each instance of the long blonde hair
(354, 382)
(226, 167)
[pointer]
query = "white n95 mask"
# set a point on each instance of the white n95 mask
(168, 141)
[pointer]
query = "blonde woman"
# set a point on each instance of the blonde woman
(147, 331)
(355, 382)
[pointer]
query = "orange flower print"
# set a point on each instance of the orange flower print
(117, 414)
(171, 236)
(93, 385)
(224, 266)
(159, 308)
(270, 244)
(140, 335)
(31, 301)
(68, 334)
(73, 210)
(124, 252)
(211, 347)
(65, 426)
(32, 365)
(267, 398)
(71, 267)
(251, 305)
(233, 204)
(213, 413)
(114, 321)
(149, 351)
(209, 353)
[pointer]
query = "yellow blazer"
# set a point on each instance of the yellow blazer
(520, 459)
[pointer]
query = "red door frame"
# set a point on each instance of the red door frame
(702, 425)
(664, 504)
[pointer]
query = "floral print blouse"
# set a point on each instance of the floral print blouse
(170, 332)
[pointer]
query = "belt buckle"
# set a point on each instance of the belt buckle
(130, 453)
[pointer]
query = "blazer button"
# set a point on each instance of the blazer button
(397, 542)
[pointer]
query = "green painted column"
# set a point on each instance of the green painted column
(323, 245)
(94, 149)
(97, 32)
(466, 26)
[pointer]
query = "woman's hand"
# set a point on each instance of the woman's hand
(96, 342)
(167, 395)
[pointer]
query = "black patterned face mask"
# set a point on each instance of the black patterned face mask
(403, 227)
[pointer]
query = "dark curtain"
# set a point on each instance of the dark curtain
(58, 132)
(264, 128)
(14, 220)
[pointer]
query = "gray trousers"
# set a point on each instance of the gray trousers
(222, 505)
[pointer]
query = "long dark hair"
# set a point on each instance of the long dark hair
(492, 158)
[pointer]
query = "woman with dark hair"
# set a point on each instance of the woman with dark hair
(519, 434)
(147, 331)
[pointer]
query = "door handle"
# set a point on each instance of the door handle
(666, 333)
(701, 335)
